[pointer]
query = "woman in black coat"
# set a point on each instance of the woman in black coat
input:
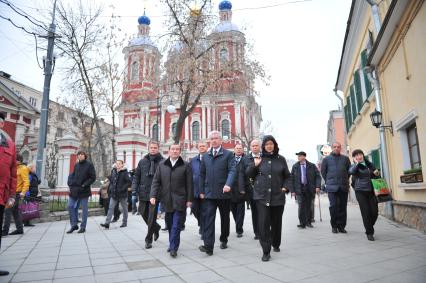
(118, 186)
(271, 177)
(362, 171)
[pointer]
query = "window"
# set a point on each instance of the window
(367, 84)
(354, 109)
(375, 158)
(223, 55)
(59, 132)
(358, 91)
(196, 131)
(155, 135)
(413, 146)
(33, 101)
(134, 71)
(174, 130)
(61, 116)
(225, 128)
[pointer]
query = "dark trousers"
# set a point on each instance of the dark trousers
(211, 206)
(1, 219)
(149, 215)
(305, 201)
(17, 217)
(174, 222)
(198, 211)
(270, 226)
(369, 210)
(254, 217)
(238, 212)
(313, 208)
(338, 206)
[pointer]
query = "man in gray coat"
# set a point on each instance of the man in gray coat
(334, 170)
(217, 173)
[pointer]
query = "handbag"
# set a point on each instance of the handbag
(380, 187)
(29, 210)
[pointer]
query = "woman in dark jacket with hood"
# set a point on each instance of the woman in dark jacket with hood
(362, 171)
(119, 182)
(271, 178)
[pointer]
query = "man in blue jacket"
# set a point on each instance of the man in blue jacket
(217, 175)
(197, 202)
(335, 171)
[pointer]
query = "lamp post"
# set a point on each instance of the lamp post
(170, 108)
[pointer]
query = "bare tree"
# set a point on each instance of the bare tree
(80, 36)
(192, 68)
(245, 138)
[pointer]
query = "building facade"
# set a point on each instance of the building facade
(22, 104)
(145, 109)
(383, 68)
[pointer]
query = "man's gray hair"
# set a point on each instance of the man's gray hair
(256, 140)
(213, 133)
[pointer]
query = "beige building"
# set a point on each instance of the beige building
(383, 67)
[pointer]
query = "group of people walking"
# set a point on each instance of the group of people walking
(218, 179)
(215, 178)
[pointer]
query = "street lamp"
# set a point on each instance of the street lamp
(377, 119)
(170, 108)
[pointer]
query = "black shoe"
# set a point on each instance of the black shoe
(183, 228)
(4, 233)
(29, 225)
(173, 253)
(266, 257)
(334, 230)
(82, 230)
(16, 232)
(72, 229)
(277, 250)
(309, 225)
(4, 273)
(148, 245)
(123, 225)
(239, 235)
(300, 226)
(157, 233)
(105, 225)
(370, 237)
(313, 221)
(205, 250)
(223, 245)
(114, 220)
(168, 250)
(342, 230)
(165, 229)
(256, 237)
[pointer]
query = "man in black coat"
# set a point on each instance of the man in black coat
(238, 193)
(119, 183)
(334, 170)
(80, 180)
(172, 185)
(217, 175)
(247, 183)
(142, 181)
(305, 182)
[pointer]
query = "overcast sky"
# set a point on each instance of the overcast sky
(299, 43)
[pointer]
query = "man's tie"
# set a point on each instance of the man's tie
(214, 152)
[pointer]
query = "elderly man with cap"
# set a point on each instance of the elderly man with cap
(305, 182)
(7, 174)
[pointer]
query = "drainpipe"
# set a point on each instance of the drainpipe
(373, 78)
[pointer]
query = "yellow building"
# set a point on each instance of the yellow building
(383, 67)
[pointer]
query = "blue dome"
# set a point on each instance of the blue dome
(225, 5)
(144, 20)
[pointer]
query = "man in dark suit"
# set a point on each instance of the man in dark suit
(335, 171)
(306, 181)
(217, 175)
(238, 193)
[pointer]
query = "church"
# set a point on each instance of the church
(149, 108)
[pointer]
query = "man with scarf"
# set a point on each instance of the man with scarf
(141, 185)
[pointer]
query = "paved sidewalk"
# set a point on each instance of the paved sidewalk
(47, 254)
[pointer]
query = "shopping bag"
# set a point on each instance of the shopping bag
(380, 187)
(29, 210)
(384, 198)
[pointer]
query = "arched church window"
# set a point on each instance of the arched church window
(225, 126)
(155, 135)
(223, 55)
(196, 131)
(134, 71)
(174, 129)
